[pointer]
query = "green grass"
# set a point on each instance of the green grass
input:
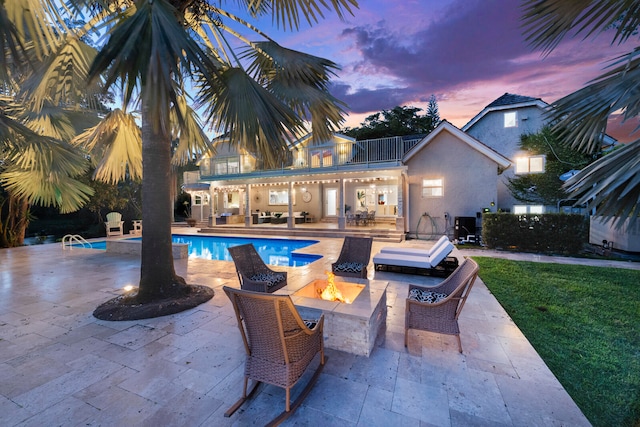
(585, 323)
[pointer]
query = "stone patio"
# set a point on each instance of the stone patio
(61, 366)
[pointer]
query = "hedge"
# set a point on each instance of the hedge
(542, 233)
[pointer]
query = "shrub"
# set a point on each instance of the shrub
(543, 233)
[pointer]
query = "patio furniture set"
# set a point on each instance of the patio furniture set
(361, 218)
(280, 345)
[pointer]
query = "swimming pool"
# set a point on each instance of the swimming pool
(278, 252)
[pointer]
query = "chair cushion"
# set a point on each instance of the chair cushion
(270, 278)
(310, 323)
(349, 267)
(423, 295)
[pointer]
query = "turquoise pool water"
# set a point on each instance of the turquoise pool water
(279, 252)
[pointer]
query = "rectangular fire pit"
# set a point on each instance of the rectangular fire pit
(348, 327)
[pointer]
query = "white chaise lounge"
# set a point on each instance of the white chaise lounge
(438, 263)
(415, 251)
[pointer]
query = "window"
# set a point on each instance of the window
(199, 200)
(321, 157)
(225, 166)
(510, 119)
(432, 188)
(533, 164)
(528, 209)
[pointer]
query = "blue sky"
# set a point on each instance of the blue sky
(466, 52)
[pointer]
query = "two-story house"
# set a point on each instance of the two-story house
(397, 180)
(500, 125)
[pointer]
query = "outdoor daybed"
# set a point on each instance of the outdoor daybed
(416, 251)
(438, 263)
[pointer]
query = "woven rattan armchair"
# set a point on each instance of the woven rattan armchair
(279, 345)
(437, 308)
(354, 257)
(253, 273)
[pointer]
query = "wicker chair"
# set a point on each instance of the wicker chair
(354, 257)
(253, 273)
(279, 345)
(437, 308)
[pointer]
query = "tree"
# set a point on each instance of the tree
(37, 120)
(610, 184)
(546, 188)
(258, 96)
(396, 122)
(432, 112)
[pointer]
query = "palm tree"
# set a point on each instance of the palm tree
(257, 95)
(37, 165)
(611, 184)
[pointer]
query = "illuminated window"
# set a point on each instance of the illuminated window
(510, 119)
(528, 209)
(432, 188)
(199, 200)
(533, 164)
(321, 157)
(228, 165)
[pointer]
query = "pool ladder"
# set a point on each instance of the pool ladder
(70, 239)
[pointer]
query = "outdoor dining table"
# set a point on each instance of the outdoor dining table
(361, 217)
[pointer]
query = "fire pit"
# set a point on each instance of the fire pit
(350, 326)
(331, 290)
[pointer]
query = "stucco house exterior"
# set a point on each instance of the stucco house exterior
(500, 125)
(398, 178)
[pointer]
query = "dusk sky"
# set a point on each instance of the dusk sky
(465, 52)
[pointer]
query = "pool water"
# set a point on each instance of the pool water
(279, 252)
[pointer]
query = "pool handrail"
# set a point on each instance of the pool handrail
(69, 240)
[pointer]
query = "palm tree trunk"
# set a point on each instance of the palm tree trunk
(158, 279)
(14, 220)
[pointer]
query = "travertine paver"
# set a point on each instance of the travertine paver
(61, 366)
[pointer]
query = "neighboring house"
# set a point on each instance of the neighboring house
(398, 178)
(500, 125)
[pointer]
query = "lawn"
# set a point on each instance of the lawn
(585, 323)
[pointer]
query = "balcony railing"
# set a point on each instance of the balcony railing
(360, 154)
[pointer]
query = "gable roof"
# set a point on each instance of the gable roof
(508, 101)
(445, 126)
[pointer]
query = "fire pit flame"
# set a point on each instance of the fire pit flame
(331, 292)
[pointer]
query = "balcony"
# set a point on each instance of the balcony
(359, 155)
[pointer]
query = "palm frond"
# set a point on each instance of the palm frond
(151, 48)
(12, 47)
(36, 21)
(249, 115)
(547, 22)
(12, 130)
(611, 184)
(50, 121)
(192, 138)
(301, 81)
(115, 145)
(581, 117)
(41, 170)
(288, 14)
(62, 77)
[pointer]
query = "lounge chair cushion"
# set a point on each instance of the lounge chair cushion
(270, 278)
(423, 295)
(417, 251)
(349, 267)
